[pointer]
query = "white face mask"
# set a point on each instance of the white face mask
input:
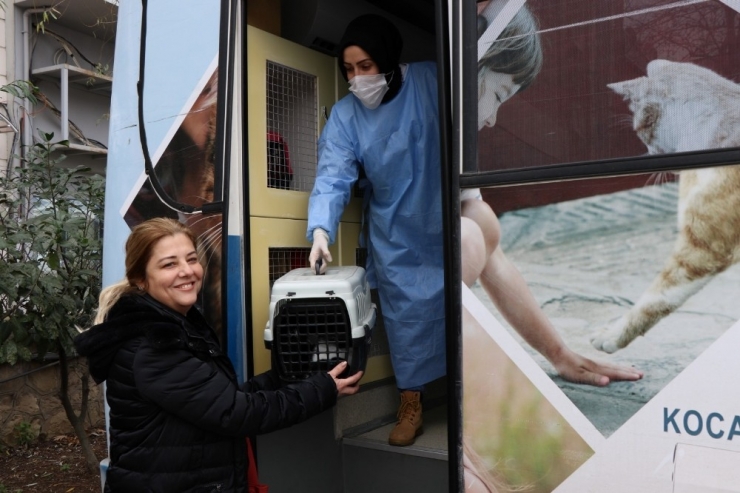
(369, 89)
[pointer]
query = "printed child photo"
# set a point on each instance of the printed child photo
(633, 276)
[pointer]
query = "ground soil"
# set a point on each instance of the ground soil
(51, 465)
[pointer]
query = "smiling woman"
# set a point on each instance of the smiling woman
(173, 274)
(169, 384)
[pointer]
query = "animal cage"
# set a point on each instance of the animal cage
(317, 321)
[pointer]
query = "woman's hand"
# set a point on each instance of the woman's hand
(345, 386)
(320, 250)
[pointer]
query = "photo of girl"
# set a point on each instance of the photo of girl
(506, 68)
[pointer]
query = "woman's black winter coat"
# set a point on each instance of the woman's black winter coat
(178, 419)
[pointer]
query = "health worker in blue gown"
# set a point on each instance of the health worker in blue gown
(388, 129)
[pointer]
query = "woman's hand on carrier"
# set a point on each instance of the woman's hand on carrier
(345, 386)
(320, 250)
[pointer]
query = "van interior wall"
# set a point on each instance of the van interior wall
(264, 15)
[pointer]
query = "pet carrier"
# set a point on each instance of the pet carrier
(317, 321)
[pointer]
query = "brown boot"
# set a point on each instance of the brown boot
(409, 420)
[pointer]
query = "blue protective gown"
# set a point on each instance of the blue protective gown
(397, 145)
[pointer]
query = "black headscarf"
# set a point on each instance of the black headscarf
(381, 40)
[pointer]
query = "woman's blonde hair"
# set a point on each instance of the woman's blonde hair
(517, 51)
(139, 246)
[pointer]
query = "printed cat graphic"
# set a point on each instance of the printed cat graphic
(192, 167)
(681, 107)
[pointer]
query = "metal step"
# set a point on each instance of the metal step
(371, 465)
(345, 450)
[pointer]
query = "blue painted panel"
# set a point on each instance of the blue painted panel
(235, 321)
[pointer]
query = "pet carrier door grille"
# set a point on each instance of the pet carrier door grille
(310, 335)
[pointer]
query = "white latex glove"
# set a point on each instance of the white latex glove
(320, 250)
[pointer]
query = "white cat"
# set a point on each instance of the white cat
(681, 107)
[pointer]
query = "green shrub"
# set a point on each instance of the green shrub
(50, 252)
(25, 433)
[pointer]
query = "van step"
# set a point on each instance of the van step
(371, 465)
(345, 449)
(432, 443)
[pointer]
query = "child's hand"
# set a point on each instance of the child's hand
(577, 369)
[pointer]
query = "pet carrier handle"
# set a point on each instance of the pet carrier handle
(318, 263)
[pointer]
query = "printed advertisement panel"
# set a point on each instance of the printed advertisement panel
(605, 80)
(180, 98)
(620, 291)
(650, 269)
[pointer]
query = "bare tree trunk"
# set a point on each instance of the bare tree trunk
(77, 420)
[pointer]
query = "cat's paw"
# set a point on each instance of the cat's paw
(608, 340)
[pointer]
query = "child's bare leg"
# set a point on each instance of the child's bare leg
(473, 250)
(484, 217)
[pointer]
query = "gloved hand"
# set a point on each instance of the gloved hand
(320, 250)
